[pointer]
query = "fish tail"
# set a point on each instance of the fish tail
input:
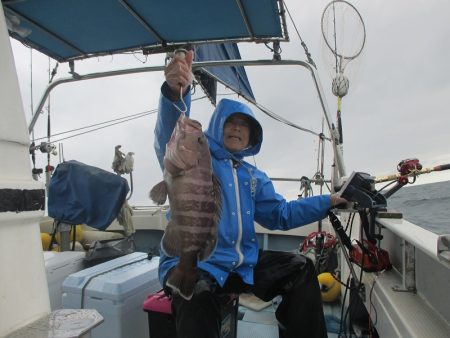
(182, 282)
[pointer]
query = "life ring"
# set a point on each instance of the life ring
(330, 288)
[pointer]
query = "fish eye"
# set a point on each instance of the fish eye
(200, 140)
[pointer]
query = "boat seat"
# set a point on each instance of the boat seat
(162, 324)
(250, 301)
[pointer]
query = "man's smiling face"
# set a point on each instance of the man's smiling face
(236, 132)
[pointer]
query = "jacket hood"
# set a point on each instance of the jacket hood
(214, 133)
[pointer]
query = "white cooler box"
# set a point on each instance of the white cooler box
(116, 289)
(59, 265)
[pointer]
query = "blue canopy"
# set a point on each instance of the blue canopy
(76, 29)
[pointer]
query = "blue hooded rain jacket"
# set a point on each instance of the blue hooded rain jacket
(248, 194)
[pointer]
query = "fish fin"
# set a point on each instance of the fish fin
(172, 168)
(171, 240)
(182, 282)
(158, 194)
(210, 245)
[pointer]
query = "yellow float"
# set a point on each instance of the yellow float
(45, 240)
(329, 287)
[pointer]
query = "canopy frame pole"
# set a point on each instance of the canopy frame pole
(142, 21)
(283, 19)
(245, 18)
(337, 148)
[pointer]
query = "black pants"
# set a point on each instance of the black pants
(292, 276)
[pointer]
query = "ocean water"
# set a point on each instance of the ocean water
(426, 205)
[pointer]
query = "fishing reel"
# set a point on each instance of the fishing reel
(44, 147)
(359, 188)
(369, 257)
(406, 168)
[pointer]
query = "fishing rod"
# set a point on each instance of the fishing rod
(406, 169)
(405, 164)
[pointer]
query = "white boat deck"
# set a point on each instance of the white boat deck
(402, 314)
(262, 322)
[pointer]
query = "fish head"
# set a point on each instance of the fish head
(186, 147)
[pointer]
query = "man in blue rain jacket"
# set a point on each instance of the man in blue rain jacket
(237, 265)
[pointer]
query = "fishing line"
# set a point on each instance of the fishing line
(183, 110)
(181, 53)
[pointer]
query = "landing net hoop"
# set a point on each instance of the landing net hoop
(344, 32)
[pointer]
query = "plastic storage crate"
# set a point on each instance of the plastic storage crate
(58, 266)
(116, 289)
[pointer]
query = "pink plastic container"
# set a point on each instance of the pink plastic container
(158, 302)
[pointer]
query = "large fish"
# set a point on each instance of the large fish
(195, 203)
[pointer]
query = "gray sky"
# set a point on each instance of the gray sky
(396, 108)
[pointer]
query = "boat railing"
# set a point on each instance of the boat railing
(316, 181)
(154, 218)
(434, 245)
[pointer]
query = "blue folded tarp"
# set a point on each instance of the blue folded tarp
(82, 194)
(233, 77)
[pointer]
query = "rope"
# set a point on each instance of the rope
(308, 54)
(124, 118)
(283, 120)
